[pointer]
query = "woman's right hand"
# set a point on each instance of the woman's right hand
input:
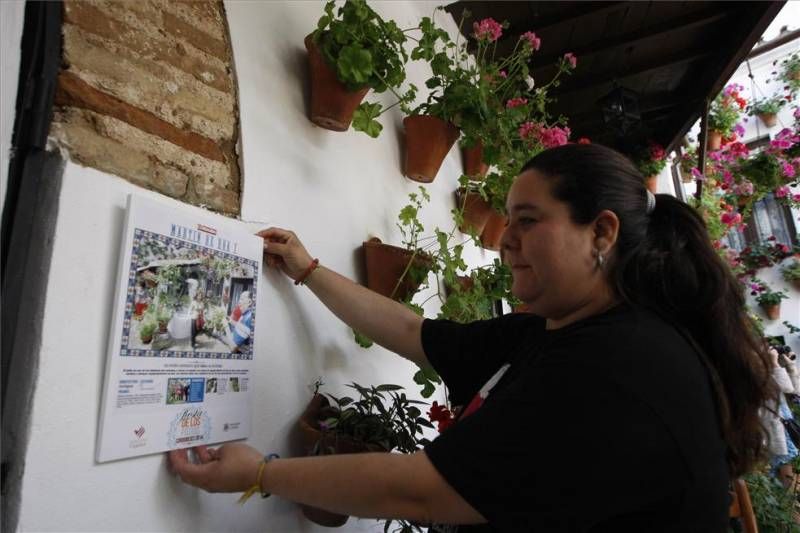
(285, 251)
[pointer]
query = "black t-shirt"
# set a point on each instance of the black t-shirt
(608, 424)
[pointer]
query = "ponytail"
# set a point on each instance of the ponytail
(664, 260)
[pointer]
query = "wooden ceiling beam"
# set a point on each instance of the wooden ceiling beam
(692, 20)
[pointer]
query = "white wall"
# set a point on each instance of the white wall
(12, 14)
(333, 189)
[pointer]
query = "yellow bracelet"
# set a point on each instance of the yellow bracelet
(257, 487)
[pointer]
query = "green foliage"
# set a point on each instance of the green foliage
(724, 114)
(147, 328)
(764, 171)
(789, 74)
(772, 503)
(362, 340)
(428, 379)
(766, 106)
(791, 272)
(216, 320)
(380, 416)
(473, 298)
(710, 209)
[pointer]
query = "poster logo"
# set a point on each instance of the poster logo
(189, 427)
(206, 229)
(139, 432)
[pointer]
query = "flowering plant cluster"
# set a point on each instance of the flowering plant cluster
(765, 296)
(765, 255)
(651, 160)
(726, 110)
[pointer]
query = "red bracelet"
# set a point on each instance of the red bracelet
(311, 268)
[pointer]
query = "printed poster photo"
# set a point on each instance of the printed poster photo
(183, 332)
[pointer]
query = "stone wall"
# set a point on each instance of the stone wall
(147, 92)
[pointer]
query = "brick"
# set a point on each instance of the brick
(87, 147)
(195, 37)
(206, 16)
(164, 91)
(151, 45)
(72, 91)
(214, 197)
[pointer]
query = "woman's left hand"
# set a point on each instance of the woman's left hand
(230, 468)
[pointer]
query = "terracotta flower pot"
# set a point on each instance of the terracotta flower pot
(651, 182)
(386, 263)
(769, 119)
(428, 140)
(332, 105)
(476, 211)
(795, 75)
(773, 312)
(714, 140)
(311, 436)
(465, 282)
(474, 167)
(493, 231)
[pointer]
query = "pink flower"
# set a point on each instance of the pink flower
(796, 197)
(528, 130)
(788, 169)
(487, 30)
(502, 74)
(516, 102)
(738, 129)
(745, 188)
(532, 39)
(570, 58)
(555, 136)
(657, 152)
(730, 219)
(782, 192)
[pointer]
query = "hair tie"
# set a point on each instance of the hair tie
(651, 202)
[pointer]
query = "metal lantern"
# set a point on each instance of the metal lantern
(620, 109)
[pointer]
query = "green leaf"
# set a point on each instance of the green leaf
(362, 340)
(388, 387)
(324, 20)
(364, 119)
(354, 65)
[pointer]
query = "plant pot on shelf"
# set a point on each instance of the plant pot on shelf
(714, 140)
(651, 182)
(428, 140)
(493, 231)
(313, 438)
(773, 312)
(476, 211)
(769, 119)
(332, 104)
(474, 167)
(385, 265)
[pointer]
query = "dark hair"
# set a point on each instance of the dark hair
(664, 260)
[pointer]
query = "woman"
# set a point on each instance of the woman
(624, 402)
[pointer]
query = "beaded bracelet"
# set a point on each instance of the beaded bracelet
(311, 268)
(257, 486)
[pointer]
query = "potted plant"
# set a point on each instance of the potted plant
(163, 316)
(474, 206)
(766, 109)
(724, 115)
(650, 161)
(790, 73)
(769, 300)
(353, 50)
(147, 328)
(380, 419)
(791, 273)
(472, 157)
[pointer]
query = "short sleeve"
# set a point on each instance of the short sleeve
(466, 355)
(537, 456)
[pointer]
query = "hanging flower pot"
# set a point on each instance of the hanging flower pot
(769, 119)
(474, 167)
(386, 264)
(428, 140)
(315, 443)
(773, 311)
(332, 105)
(476, 211)
(714, 140)
(651, 182)
(493, 231)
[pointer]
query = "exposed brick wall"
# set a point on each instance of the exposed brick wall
(147, 93)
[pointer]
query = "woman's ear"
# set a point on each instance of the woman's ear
(606, 230)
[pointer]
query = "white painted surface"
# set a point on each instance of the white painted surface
(12, 14)
(333, 189)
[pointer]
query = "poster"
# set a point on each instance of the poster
(181, 346)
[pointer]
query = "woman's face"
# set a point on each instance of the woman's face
(553, 259)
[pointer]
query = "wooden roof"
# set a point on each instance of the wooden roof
(674, 55)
